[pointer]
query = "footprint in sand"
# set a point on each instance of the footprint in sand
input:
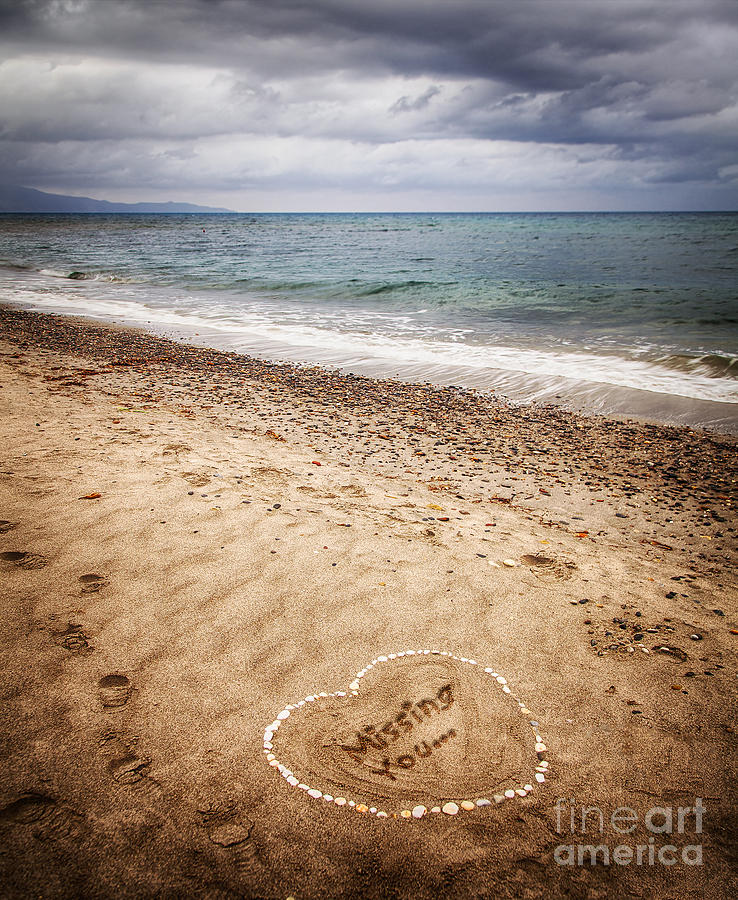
(23, 559)
(129, 769)
(92, 583)
(175, 449)
(73, 639)
(196, 479)
(114, 691)
(6, 526)
(224, 825)
(49, 818)
(125, 764)
(546, 567)
(230, 829)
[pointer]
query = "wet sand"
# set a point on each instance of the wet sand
(193, 542)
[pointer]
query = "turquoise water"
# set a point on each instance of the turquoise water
(610, 312)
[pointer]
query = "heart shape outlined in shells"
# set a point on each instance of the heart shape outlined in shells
(428, 756)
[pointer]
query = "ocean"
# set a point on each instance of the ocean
(631, 314)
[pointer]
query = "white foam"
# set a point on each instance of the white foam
(254, 327)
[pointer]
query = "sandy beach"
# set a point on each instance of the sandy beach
(200, 552)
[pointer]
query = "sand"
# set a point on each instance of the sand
(192, 542)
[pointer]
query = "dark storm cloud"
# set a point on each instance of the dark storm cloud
(652, 83)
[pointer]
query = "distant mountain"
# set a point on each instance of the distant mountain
(29, 200)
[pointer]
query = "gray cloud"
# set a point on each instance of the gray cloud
(244, 95)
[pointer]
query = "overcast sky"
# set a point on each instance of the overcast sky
(374, 104)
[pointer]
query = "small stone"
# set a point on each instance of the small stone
(436, 809)
(316, 795)
(292, 780)
(406, 814)
(285, 714)
(509, 562)
(450, 808)
(540, 748)
(467, 805)
(498, 798)
(340, 801)
(509, 793)
(381, 815)
(483, 801)
(354, 686)
(419, 812)
(540, 777)
(521, 792)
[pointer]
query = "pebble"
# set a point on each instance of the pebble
(419, 812)
(316, 795)
(467, 805)
(509, 793)
(510, 562)
(484, 802)
(450, 809)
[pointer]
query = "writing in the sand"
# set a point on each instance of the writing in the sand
(371, 738)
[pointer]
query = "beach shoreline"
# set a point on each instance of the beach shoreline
(218, 536)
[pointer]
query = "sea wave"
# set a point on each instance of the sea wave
(75, 275)
(709, 377)
(709, 365)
